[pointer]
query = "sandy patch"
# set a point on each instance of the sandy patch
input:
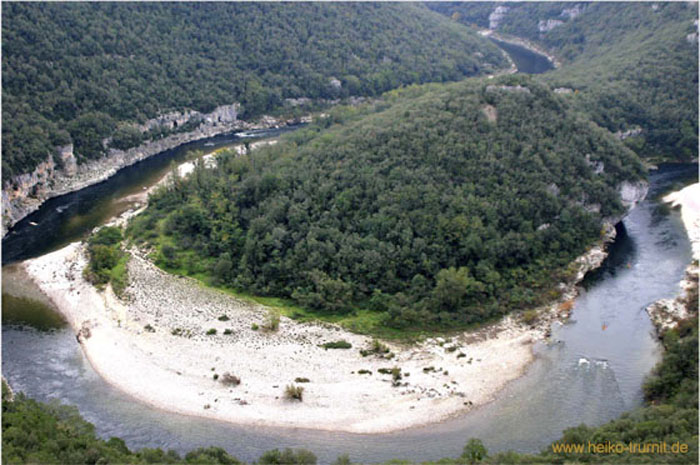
(174, 372)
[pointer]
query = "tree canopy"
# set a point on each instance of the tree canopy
(75, 72)
(440, 205)
(631, 65)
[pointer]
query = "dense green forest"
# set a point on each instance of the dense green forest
(442, 205)
(34, 432)
(73, 72)
(631, 64)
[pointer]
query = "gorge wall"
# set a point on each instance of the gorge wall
(63, 173)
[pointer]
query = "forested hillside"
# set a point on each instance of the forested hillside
(631, 65)
(442, 205)
(72, 72)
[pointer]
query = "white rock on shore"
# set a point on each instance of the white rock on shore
(174, 372)
(666, 313)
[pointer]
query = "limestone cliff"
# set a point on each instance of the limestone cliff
(61, 173)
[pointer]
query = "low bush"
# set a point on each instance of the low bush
(293, 392)
(211, 332)
(272, 321)
(227, 379)
(529, 317)
(342, 344)
(301, 380)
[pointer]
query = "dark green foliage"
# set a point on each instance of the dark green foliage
(474, 451)
(211, 332)
(107, 261)
(630, 63)
(418, 207)
(342, 344)
(301, 380)
(288, 457)
(135, 61)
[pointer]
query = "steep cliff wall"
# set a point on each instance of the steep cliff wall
(62, 173)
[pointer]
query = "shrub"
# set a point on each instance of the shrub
(215, 376)
(288, 457)
(223, 318)
(293, 392)
(228, 331)
(254, 327)
(149, 328)
(342, 344)
(211, 332)
(529, 317)
(364, 372)
(227, 379)
(301, 380)
(376, 347)
(272, 320)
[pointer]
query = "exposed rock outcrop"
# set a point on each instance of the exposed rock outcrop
(631, 193)
(497, 16)
(549, 24)
(61, 173)
(622, 135)
(667, 313)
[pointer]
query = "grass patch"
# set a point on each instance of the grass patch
(342, 344)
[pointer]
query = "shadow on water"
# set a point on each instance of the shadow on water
(620, 256)
(24, 311)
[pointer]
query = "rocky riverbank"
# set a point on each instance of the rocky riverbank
(666, 313)
(172, 340)
(63, 174)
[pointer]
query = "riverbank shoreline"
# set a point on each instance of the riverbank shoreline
(177, 338)
(667, 313)
(17, 205)
(522, 43)
(168, 356)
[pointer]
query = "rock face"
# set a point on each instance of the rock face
(631, 193)
(497, 16)
(549, 24)
(518, 88)
(622, 135)
(572, 12)
(61, 173)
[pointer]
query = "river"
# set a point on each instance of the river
(525, 60)
(591, 374)
(72, 216)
